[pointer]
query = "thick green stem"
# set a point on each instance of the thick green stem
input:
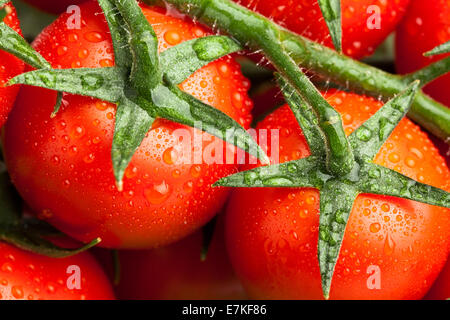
(244, 26)
(257, 32)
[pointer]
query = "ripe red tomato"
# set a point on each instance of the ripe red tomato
(62, 166)
(425, 26)
(52, 6)
(361, 34)
(28, 276)
(441, 287)
(272, 233)
(176, 272)
(9, 67)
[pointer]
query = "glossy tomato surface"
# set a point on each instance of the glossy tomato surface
(28, 276)
(62, 166)
(272, 233)
(177, 272)
(365, 23)
(10, 66)
(425, 26)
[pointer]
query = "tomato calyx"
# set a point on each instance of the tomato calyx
(440, 49)
(144, 87)
(338, 192)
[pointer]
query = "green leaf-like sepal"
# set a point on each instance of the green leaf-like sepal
(370, 136)
(336, 203)
(380, 180)
(181, 61)
(293, 174)
(132, 124)
(24, 234)
(331, 11)
(443, 48)
(146, 72)
(103, 83)
(12, 42)
(119, 35)
(305, 116)
(176, 105)
(27, 241)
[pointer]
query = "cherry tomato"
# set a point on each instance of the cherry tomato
(176, 272)
(425, 26)
(28, 276)
(62, 166)
(272, 233)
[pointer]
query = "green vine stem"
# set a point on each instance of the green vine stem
(246, 27)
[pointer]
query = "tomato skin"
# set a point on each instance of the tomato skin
(305, 18)
(62, 166)
(272, 233)
(176, 272)
(425, 26)
(52, 6)
(10, 67)
(441, 287)
(28, 276)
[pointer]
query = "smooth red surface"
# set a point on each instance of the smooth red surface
(62, 166)
(28, 276)
(441, 287)
(10, 66)
(272, 233)
(425, 26)
(305, 17)
(176, 272)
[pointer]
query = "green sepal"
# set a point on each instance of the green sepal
(119, 35)
(12, 42)
(176, 105)
(208, 232)
(146, 71)
(103, 83)
(293, 174)
(21, 238)
(131, 126)
(331, 11)
(440, 49)
(305, 116)
(367, 140)
(59, 98)
(181, 61)
(376, 179)
(3, 2)
(27, 234)
(336, 203)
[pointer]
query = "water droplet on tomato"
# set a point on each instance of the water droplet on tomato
(157, 193)
(94, 36)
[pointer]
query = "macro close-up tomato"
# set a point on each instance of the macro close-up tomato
(10, 66)
(425, 26)
(241, 151)
(62, 166)
(177, 272)
(365, 24)
(272, 233)
(52, 6)
(29, 276)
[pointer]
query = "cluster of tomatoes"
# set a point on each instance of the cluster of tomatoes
(266, 238)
